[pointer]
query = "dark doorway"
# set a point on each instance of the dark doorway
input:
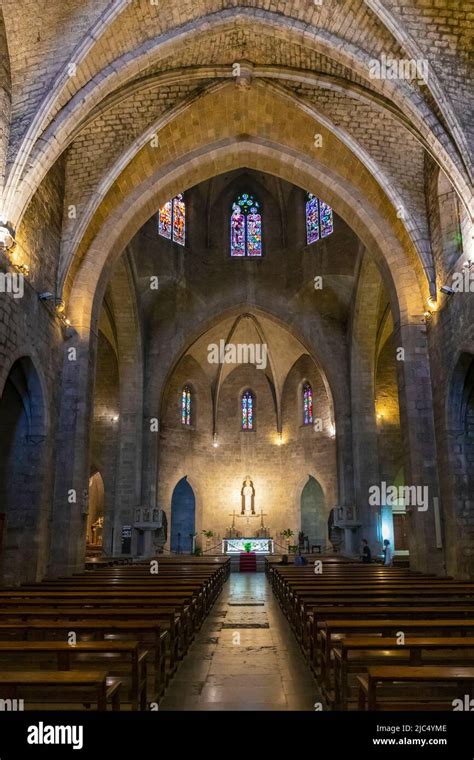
(183, 517)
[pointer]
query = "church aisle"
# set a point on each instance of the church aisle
(244, 658)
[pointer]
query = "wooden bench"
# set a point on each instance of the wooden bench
(383, 627)
(412, 651)
(94, 686)
(64, 653)
(439, 675)
(159, 611)
(146, 632)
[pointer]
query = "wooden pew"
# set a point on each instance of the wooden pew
(384, 627)
(439, 675)
(125, 601)
(94, 686)
(413, 651)
(64, 653)
(148, 633)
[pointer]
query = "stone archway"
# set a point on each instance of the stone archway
(183, 517)
(22, 434)
(95, 517)
(313, 513)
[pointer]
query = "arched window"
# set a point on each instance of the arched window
(246, 227)
(248, 417)
(319, 219)
(307, 404)
(172, 220)
(186, 408)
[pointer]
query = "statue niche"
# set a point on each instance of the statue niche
(248, 497)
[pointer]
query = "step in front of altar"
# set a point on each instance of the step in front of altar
(235, 563)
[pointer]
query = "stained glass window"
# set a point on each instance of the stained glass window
(319, 219)
(164, 221)
(237, 232)
(247, 411)
(172, 220)
(307, 404)
(186, 405)
(179, 219)
(246, 227)
(325, 217)
(312, 219)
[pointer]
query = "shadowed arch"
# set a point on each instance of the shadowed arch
(183, 517)
(22, 436)
(313, 512)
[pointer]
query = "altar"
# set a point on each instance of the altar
(239, 545)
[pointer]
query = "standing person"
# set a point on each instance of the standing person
(366, 553)
(387, 553)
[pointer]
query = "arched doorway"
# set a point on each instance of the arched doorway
(22, 432)
(183, 517)
(95, 518)
(313, 523)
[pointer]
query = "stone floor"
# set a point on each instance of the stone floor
(244, 658)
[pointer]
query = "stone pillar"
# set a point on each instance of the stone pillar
(364, 423)
(419, 444)
(70, 504)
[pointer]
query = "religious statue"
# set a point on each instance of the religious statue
(96, 530)
(248, 497)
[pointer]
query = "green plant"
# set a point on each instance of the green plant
(208, 533)
(288, 533)
(247, 546)
(198, 552)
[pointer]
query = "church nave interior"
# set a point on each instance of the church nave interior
(236, 356)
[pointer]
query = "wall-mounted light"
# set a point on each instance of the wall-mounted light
(279, 440)
(215, 442)
(59, 307)
(115, 418)
(447, 290)
(7, 238)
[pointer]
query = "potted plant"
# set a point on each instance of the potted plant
(208, 534)
(287, 533)
(248, 547)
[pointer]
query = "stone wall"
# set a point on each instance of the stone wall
(278, 472)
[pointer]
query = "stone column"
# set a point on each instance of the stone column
(419, 443)
(70, 504)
